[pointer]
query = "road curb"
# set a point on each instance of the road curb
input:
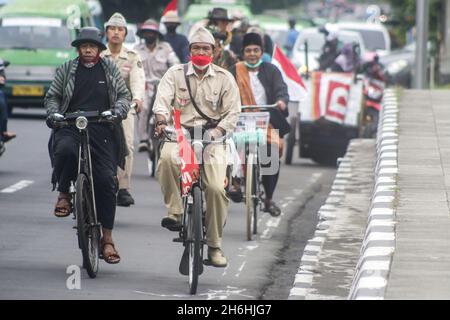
(372, 271)
(327, 214)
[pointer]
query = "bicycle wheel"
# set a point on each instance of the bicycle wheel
(256, 198)
(195, 237)
(249, 203)
(88, 230)
(291, 141)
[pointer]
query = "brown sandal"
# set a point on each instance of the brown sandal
(112, 258)
(63, 206)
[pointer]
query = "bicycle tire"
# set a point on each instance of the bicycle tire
(249, 195)
(88, 231)
(255, 193)
(291, 141)
(195, 238)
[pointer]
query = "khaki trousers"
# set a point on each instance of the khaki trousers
(213, 178)
(144, 117)
(124, 176)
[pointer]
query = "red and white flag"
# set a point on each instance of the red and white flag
(189, 166)
(172, 6)
(296, 87)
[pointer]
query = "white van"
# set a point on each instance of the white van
(376, 36)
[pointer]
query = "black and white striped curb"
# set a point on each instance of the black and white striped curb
(372, 271)
(327, 214)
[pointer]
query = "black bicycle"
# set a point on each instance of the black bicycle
(193, 230)
(82, 190)
(153, 143)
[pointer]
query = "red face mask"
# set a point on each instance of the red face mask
(201, 61)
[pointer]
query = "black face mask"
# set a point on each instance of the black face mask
(150, 40)
(171, 28)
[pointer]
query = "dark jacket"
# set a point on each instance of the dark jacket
(275, 88)
(61, 91)
(179, 44)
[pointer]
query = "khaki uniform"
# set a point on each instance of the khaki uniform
(130, 66)
(218, 97)
(155, 64)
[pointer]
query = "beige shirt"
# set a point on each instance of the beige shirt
(130, 65)
(216, 95)
(156, 62)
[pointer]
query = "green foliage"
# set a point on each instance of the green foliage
(405, 16)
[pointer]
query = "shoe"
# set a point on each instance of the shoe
(8, 136)
(143, 146)
(236, 195)
(124, 198)
(272, 209)
(216, 258)
(171, 223)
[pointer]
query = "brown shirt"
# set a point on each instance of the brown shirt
(216, 95)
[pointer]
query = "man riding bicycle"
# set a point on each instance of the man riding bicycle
(207, 96)
(89, 83)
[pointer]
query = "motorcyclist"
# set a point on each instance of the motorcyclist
(330, 50)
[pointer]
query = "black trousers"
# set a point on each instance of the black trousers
(270, 163)
(3, 113)
(104, 166)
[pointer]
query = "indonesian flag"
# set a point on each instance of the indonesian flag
(189, 166)
(296, 87)
(172, 6)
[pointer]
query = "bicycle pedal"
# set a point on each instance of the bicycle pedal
(207, 262)
(179, 239)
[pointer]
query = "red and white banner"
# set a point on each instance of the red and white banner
(331, 95)
(189, 165)
(172, 6)
(296, 87)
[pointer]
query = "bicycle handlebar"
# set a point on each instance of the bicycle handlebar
(170, 130)
(262, 106)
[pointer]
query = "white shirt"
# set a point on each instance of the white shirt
(257, 88)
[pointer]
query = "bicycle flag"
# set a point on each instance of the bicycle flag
(189, 165)
(296, 87)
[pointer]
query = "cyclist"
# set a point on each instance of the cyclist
(261, 83)
(222, 57)
(89, 83)
(5, 135)
(157, 57)
(178, 41)
(130, 65)
(215, 107)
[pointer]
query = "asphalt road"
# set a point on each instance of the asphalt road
(36, 248)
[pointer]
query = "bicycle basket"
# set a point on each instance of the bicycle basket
(251, 127)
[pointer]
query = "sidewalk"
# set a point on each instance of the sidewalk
(421, 263)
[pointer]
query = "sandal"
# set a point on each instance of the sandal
(272, 209)
(63, 206)
(113, 257)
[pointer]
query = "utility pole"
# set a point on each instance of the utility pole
(422, 22)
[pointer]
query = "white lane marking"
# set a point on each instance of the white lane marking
(240, 269)
(163, 295)
(18, 186)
